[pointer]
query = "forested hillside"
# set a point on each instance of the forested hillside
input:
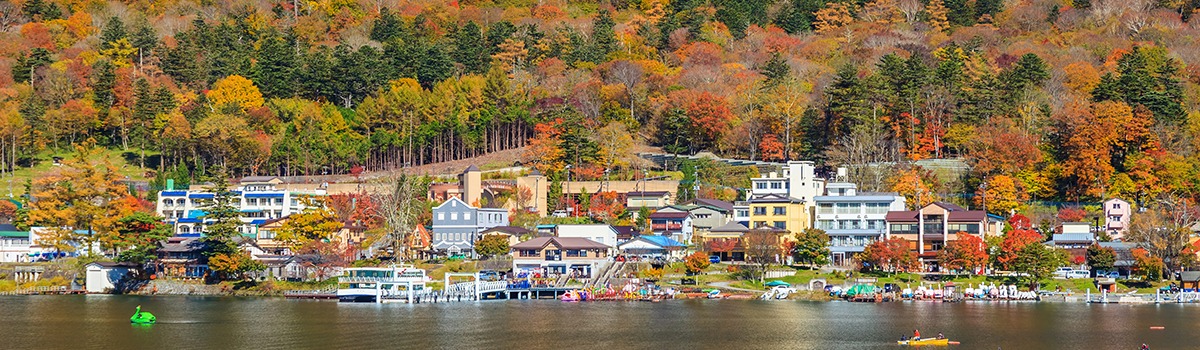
(1045, 99)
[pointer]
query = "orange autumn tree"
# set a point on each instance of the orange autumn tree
(771, 148)
(606, 206)
(966, 253)
(891, 255)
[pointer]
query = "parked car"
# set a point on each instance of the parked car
(1062, 272)
(1074, 274)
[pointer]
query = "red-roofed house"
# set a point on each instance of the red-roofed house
(933, 226)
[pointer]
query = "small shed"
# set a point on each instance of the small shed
(103, 277)
(1190, 280)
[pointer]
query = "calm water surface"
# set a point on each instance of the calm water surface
(102, 322)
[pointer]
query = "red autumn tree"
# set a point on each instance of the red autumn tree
(1020, 222)
(1014, 241)
(771, 148)
(606, 206)
(968, 252)
(892, 255)
(1071, 214)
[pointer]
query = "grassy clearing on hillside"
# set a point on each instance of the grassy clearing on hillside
(125, 161)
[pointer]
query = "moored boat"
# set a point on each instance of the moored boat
(367, 284)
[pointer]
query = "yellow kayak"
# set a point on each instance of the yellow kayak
(923, 342)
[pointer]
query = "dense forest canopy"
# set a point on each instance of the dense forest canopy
(1044, 99)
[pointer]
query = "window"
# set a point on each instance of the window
(252, 201)
(827, 225)
(781, 225)
(1116, 205)
(877, 208)
(849, 224)
(574, 253)
(466, 216)
(968, 228)
(278, 201)
(294, 202)
(758, 224)
(441, 216)
(743, 212)
(904, 228)
(875, 224)
(780, 210)
(776, 185)
(760, 210)
(825, 208)
(453, 216)
(528, 253)
(849, 208)
(760, 185)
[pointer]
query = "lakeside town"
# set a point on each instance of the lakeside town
(799, 232)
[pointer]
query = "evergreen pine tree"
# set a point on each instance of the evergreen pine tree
(221, 217)
(775, 69)
(113, 31)
(470, 49)
(103, 81)
(603, 35)
(274, 69)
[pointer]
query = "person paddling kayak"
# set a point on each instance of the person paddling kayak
(916, 335)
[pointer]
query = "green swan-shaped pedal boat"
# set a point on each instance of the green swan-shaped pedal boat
(140, 317)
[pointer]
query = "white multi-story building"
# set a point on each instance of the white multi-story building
(853, 220)
(798, 180)
(258, 200)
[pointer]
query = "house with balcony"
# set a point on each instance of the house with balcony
(677, 225)
(853, 219)
(256, 198)
(930, 228)
(1116, 218)
(602, 233)
(780, 212)
(560, 255)
(15, 245)
(705, 216)
(725, 242)
(457, 225)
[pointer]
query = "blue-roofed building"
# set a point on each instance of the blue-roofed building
(259, 200)
(653, 246)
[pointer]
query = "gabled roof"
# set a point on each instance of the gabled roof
(560, 242)
(259, 179)
(902, 216)
(949, 206)
(181, 245)
(625, 232)
(969, 216)
(471, 169)
(730, 227)
(111, 264)
(720, 204)
(774, 198)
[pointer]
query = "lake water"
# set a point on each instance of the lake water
(102, 322)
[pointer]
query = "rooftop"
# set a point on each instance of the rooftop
(560, 242)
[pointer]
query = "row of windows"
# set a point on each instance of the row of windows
(490, 217)
(236, 202)
(853, 208)
(774, 185)
(774, 210)
(850, 224)
(851, 241)
(782, 225)
(454, 236)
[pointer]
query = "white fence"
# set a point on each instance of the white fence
(779, 273)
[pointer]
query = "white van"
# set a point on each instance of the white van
(1062, 272)
(1073, 274)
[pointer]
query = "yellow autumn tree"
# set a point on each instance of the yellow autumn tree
(79, 196)
(235, 90)
(832, 17)
(916, 185)
(1001, 195)
(316, 223)
(937, 15)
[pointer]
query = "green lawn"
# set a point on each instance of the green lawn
(125, 161)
